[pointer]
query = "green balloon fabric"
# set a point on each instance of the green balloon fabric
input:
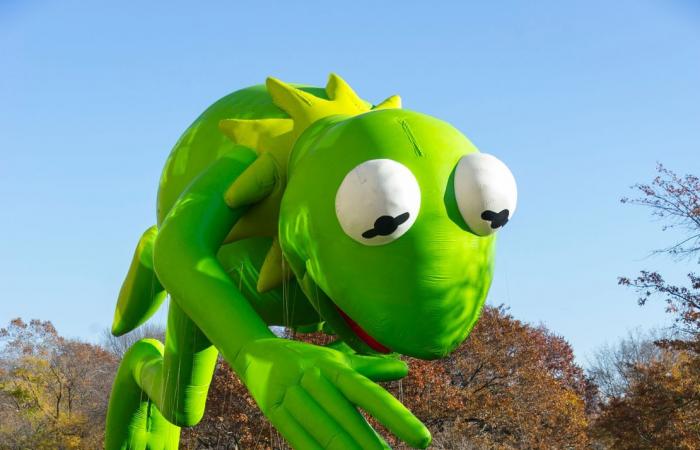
(307, 208)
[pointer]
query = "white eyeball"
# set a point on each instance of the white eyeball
(377, 201)
(485, 191)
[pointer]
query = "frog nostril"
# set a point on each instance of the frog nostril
(497, 219)
(385, 225)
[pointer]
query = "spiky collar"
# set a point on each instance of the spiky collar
(261, 185)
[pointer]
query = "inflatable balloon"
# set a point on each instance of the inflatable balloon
(301, 206)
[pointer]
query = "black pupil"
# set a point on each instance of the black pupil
(497, 219)
(385, 225)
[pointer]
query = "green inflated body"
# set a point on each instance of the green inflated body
(251, 233)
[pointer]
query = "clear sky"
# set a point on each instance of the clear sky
(580, 99)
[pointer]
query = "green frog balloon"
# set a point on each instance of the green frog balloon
(308, 208)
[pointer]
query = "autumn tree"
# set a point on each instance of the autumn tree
(613, 368)
(658, 410)
(53, 391)
(675, 200)
(510, 385)
(659, 406)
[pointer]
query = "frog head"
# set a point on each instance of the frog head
(389, 220)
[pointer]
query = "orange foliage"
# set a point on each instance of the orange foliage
(660, 410)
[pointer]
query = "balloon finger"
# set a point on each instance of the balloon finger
(293, 432)
(317, 422)
(379, 368)
(342, 411)
(383, 406)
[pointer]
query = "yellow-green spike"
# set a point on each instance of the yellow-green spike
(393, 102)
(274, 270)
(343, 98)
(339, 90)
(261, 135)
(305, 108)
(254, 184)
(293, 101)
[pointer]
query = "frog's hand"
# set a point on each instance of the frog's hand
(311, 394)
(141, 294)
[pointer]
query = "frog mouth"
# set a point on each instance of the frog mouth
(346, 329)
(362, 334)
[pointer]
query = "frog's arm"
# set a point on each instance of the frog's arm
(309, 393)
(186, 263)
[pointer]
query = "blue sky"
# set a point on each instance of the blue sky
(580, 99)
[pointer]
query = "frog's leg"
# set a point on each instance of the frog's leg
(158, 389)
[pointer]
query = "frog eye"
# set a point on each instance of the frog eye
(485, 191)
(377, 201)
